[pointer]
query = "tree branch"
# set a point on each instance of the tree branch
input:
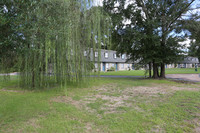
(169, 25)
(141, 2)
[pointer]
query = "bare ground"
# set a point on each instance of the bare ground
(196, 123)
(115, 97)
(7, 90)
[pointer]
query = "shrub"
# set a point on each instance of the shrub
(111, 69)
(138, 66)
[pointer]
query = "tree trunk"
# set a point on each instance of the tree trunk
(150, 69)
(163, 45)
(33, 73)
(162, 72)
(155, 70)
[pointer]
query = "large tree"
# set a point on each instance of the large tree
(54, 34)
(148, 35)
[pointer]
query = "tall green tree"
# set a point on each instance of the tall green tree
(55, 34)
(170, 13)
(148, 34)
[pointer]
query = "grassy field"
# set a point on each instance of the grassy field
(107, 105)
(142, 72)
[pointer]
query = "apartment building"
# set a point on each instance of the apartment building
(188, 62)
(110, 60)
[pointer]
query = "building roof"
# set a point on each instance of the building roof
(111, 57)
(190, 60)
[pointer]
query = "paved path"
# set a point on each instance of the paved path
(104, 76)
(4, 74)
(184, 77)
(119, 76)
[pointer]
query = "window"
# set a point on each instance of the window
(123, 56)
(113, 65)
(114, 56)
(106, 55)
(106, 65)
(96, 54)
(96, 65)
(122, 66)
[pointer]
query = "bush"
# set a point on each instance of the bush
(138, 66)
(111, 69)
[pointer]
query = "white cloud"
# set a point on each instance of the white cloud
(98, 2)
(186, 42)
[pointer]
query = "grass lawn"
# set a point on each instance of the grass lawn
(142, 72)
(107, 105)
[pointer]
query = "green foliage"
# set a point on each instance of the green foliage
(194, 49)
(111, 69)
(138, 66)
(193, 27)
(54, 35)
(148, 36)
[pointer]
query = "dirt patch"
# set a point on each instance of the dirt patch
(68, 100)
(33, 122)
(88, 127)
(110, 104)
(147, 91)
(91, 129)
(157, 129)
(114, 103)
(197, 130)
(6, 90)
(184, 88)
(114, 97)
(196, 123)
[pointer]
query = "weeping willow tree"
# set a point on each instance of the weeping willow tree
(59, 41)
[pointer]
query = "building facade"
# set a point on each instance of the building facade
(188, 62)
(110, 61)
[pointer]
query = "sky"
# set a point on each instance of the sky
(99, 2)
